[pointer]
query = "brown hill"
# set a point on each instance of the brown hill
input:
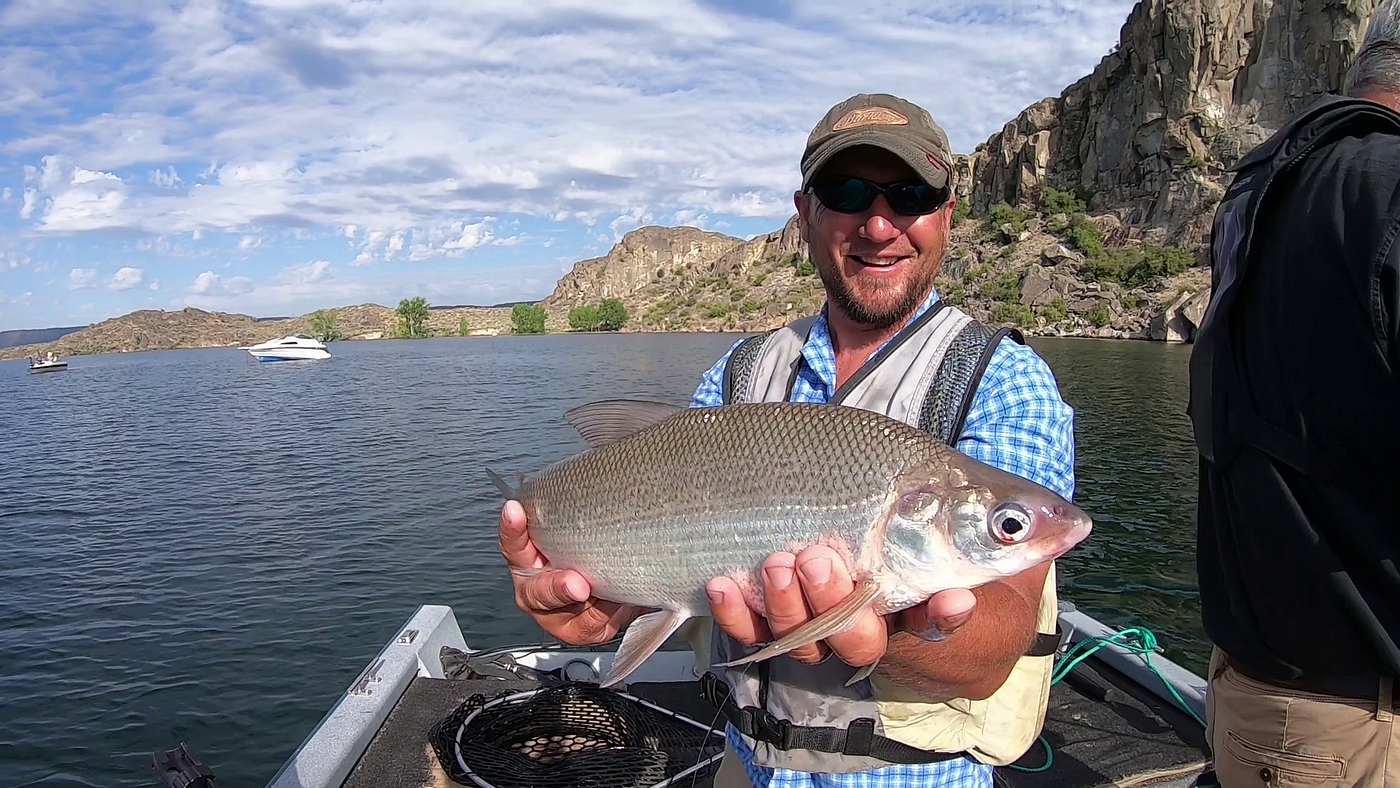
(153, 329)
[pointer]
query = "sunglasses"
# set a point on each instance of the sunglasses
(853, 195)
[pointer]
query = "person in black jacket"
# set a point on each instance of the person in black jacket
(1295, 403)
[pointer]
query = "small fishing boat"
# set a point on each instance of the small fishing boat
(429, 710)
(47, 363)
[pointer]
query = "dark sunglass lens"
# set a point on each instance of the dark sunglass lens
(848, 196)
(914, 198)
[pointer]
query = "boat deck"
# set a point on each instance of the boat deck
(1103, 729)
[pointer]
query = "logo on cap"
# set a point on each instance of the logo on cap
(870, 116)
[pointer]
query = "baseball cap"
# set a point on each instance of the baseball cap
(885, 121)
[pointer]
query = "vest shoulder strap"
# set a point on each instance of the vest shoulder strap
(740, 365)
(950, 395)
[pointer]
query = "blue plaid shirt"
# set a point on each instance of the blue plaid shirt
(1018, 422)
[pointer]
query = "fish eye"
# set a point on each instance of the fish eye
(1010, 523)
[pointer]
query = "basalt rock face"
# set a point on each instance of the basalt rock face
(642, 257)
(1190, 87)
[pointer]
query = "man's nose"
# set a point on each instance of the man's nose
(878, 225)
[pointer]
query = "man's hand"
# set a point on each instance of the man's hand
(799, 588)
(559, 600)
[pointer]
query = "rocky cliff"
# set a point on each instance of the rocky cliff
(643, 256)
(739, 286)
(1190, 86)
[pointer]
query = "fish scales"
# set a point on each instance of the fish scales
(739, 483)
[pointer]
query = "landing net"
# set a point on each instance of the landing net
(577, 735)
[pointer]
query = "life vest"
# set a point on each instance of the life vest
(803, 717)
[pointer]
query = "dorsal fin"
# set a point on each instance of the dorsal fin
(610, 420)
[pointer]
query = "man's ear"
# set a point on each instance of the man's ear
(802, 201)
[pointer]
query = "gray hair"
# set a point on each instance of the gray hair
(1377, 64)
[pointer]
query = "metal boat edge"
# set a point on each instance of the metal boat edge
(329, 753)
(331, 750)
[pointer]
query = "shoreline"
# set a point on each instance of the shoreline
(5, 354)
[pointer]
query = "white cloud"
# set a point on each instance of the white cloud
(165, 179)
(12, 258)
(6, 194)
(82, 278)
(690, 218)
(212, 284)
(155, 284)
(126, 278)
(473, 235)
(628, 221)
(403, 119)
(249, 242)
(304, 274)
(73, 198)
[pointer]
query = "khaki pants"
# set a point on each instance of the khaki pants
(1264, 735)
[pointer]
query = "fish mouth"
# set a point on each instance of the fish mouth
(1076, 534)
(1069, 540)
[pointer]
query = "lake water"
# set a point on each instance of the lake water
(197, 547)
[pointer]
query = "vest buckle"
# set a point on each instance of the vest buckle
(770, 729)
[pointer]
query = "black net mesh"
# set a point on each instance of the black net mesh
(576, 735)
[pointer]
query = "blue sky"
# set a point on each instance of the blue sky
(276, 157)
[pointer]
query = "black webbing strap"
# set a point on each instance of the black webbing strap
(1046, 643)
(858, 738)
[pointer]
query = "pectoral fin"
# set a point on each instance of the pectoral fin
(832, 622)
(641, 640)
(863, 673)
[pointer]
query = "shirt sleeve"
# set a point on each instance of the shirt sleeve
(1019, 423)
(710, 392)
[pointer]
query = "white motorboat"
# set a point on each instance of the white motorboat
(47, 363)
(429, 705)
(296, 347)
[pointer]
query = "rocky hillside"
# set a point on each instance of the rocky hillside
(153, 329)
(642, 257)
(1190, 86)
(740, 286)
(1048, 269)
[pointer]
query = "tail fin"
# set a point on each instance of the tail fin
(509, 493)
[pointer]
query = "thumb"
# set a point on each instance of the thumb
(942, 614)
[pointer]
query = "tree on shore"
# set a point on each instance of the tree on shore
(527, 319)
(323, 325)
(610, 315)
(583, 318)
(413, 317)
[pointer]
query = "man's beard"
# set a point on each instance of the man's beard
(844, 298)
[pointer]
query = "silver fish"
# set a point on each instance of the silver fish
(667, 498)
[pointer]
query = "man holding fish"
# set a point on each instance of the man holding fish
(886, 483)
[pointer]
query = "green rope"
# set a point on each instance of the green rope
(1137, 640)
